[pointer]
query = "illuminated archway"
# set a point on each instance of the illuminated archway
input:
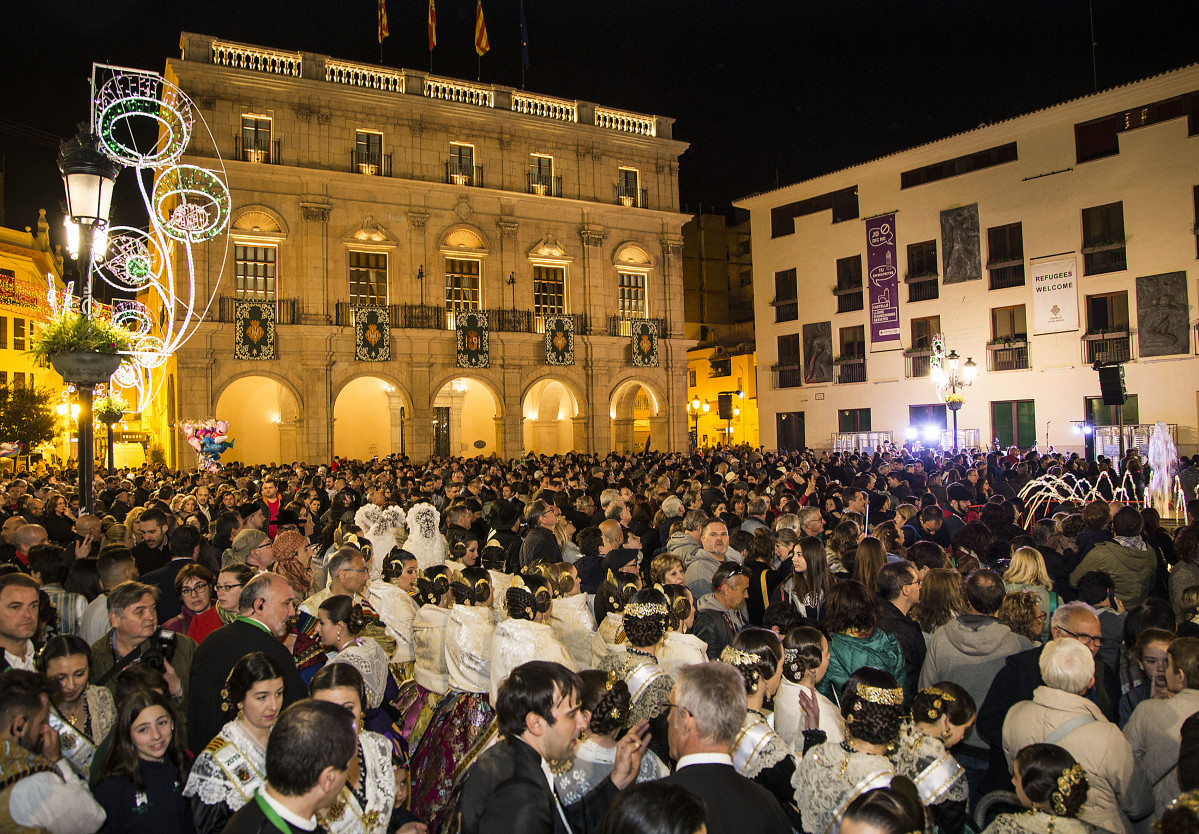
(549, 409)
(464, 418)
(263, 416)
(634, 404)
(369, 414)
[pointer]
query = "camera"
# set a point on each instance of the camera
(158, 650)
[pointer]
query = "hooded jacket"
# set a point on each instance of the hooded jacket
(970, 651)
(682, 545)
(847, 654)
(699, 567)
(1132, 570)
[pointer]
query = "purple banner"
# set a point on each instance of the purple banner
(882, 279)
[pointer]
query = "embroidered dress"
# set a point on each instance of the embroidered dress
(1038, 822)
(78, 744)
(789, 716)
(365, 808)
(649, 686)
(397, 609)
(828, 778)
(519, 641)
(379, 526)
(459, 718)
(500, 583)
(759, 753)
(939, 778)
(430, 680)
(365, 655)
(681, 650)
(574, 624)
(593, 762)
(424, 542)
(608, 639)
(225, 776)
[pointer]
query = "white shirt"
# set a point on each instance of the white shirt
(94, 622)
(704, 758)
(28, 662)
(56, 802)
(288, 816)
(549, 777)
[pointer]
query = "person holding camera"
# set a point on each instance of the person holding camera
(134, 637)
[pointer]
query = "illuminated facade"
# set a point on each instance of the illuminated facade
(357, 185)
(1037, 246)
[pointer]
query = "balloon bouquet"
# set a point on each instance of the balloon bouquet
(10, 450)
(209, 438)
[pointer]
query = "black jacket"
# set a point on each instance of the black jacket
(506, 793)
(540, 547)
(735, 805)
(169, 605)
(251, 820)
(911, 642)
(150, 558)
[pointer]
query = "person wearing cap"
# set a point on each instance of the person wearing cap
(119, 506)
(251, 516)
(958, 504)
(251, 547)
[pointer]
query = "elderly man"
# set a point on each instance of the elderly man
(8, 549)
(265, 606)
(1059, 713)
(701, 565)
(707, 709)
(718, 616)
(27, 537)
(540, 547)
(347, 575)
(250, 547)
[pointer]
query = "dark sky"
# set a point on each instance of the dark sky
(766, 91)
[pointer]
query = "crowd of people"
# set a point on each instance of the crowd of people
(733, 641)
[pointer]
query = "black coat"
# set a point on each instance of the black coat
(251, 820)
(169, 605)
(911, 642)
(149, 558)
(540, 547)
(506, 793)
(735, 805)
(214, 660)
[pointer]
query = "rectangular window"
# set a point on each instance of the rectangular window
(18, 379)
(923, 331)
(721, 367)
(1014, 423)
(853, 420)
(461, 165)
(3, 378)
(1005, 256)
(786, 296)
(368, 278)
(541, 176)
(1107, 312)
(462, 285)
(1008, 348)
(922, 259)
(628, 187)
(691, 378)
(959, 165)
(849, 284)
(18, 333)
(1194, 228)
(787, 372)
(853, 341)
(549, 293)
(255, 139)
(1009, 323)
(3, 332)
(632, 295)
(368, 152)
(1103, 239)
(254, 271)
(1102, 415)
(843, 204)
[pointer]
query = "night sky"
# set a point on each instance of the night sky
(766, 92)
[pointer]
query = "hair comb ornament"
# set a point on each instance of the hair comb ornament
(646, 609)
(879, 695)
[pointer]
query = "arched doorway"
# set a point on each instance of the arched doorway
(263, 420)
(549, 410)
(464, 419)
(368, 419)
(634, 411)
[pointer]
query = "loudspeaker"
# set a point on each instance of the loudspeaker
(1111, 384)
(724, 406)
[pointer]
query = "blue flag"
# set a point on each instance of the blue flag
(524, 39)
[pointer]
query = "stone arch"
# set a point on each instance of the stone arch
(254, 371)
(486, 377)
(464, 239)
(369, 415)
(401, 388)
(256, 220)
(634, 255)
(264, 413)
(637, 409)
(623, 396)
(467, 415)
(553, 416)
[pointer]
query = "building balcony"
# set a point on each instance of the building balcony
(850, 369)
(580, 323)
(286, 309)
(370, 164)
(1005, 275)
(1098, 260)
(630, 197)
(544, 186)
(459, 174)
(1008, 356)
(923, 287)
(786, 309)
(849, 299)
(417, 317)
(622, 325)
(1107, 347)
(510, 321)
(918, 364)
(264, 153)
(787, 376)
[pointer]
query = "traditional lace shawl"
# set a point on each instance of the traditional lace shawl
(574, 624)
(345, 815)
(500, 583)
(213, 784)
(378, 525)
(650, 692)
(681, 650)
(768, 748)
(102, 710)
(424, 541)
(428, 640)
(365, 655)
(519, 641)
(924, 760)
(1037, 822)
(468, 648)
(789, 716)
(592, 763)
(397, 609)
(828, 778)
(609, 639)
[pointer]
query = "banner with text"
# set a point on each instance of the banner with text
(1054, 296)
(882, 279)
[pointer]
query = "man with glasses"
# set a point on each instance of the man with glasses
(348, 574)
(540, 547)
(185, 549)
(1021, 675)
(899, 591)
(811, 523)
(719, 614)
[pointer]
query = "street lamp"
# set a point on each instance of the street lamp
(88, 176)
(952, 377)
(696, 409)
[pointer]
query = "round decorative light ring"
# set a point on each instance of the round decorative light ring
(132, 259)
(134, 317)
(148, 352)
(125, 376)
(191, 203)
(131, 107)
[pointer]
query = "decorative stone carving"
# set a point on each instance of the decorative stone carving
(417, 220)
(507, 228)
(317, 212)
(592, 235)
(463, 209)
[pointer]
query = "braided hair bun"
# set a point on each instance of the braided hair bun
(646, 618)
(607, 698)
(803, 651)
(1051, 776)
(528, 597)
(433, 585)
(679, 602)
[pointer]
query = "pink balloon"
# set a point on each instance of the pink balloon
(194, 442)
(222, 426)
(188, 430)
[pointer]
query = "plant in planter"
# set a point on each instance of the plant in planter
(81, 349)
(917, 351)
(109, 411)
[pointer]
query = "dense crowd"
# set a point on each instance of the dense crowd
(734, 641)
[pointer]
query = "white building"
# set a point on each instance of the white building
(994, 236)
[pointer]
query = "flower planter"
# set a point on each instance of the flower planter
(86, 367)
(954, 405)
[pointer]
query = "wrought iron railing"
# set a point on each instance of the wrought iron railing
(630, 197)
(619, 325)
(268, 155)
(1005, 277)
(1012, 356)
(544, 185)
(1114, 259)
(286, 309)
(919, 365)
(788, 377)
(458, 174)
(371, 164)
(1106, 347)
(853, 370)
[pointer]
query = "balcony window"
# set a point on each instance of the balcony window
(460, 168)
(850, 420)
(632, 301)
(1005, 256)
(1008, 348)
(549, 294)
(3, 329)
(849, 284)
(368, 153)
(787, 371)
(461, 287)
(786, 296)
(255, 139)
(18, 333)
(541, 176)
(628, 188)
(254, 271)
(1107, 336)
(1103, 248)
(368, 278)
(919, 355)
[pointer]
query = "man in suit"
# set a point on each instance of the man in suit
(265, 605)
(707, 708)
(185, 545)
(510, 787)
(306, 766)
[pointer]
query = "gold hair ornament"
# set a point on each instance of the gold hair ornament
(646, 609)
(737, 657)
(879, 695)
(1070, 777)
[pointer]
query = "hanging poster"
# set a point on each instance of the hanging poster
(254, 330)
(559, 340)
(883, 279)
(645, 344)
(372, 334)
(1054, 296)
(471, 331)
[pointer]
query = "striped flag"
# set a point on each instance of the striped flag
(432, 25)
(481, 43)
(383, 33)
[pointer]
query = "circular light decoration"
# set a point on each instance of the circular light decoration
(134, 317)
(191, 203)
(132, 259)
(125, 376)
(135, 104)
(148, 352)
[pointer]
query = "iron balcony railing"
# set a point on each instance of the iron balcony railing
(371, 164)
(1005, 277)
(620, 325)
(919, 365)
(458, 174)
(579, 319)
(1106, 347)
(852, 370)
(544, 185)
(285, 309)
(1098, 262)
(266, 153)
(924, 290)
(788, 376)
(630, 197)
(1012, 356)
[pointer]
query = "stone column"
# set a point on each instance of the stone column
(395, 408)
(622, 434)
(580, 426)
(417, 262)
(314, 281)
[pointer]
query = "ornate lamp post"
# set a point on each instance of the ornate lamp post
(696, 409)
(88, 175)
(951, 378)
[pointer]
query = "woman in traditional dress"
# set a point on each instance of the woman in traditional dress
(199, 616)
(614, 592)
(681, 647)
(805, 660)
(1053, 787)
(233, 765)
(892, 810)
(572, 621)
(430, 680)
(525, 635)
(424, 541)
(831, 776)
(605, 700)
(393, 601)
(82, 714)
(340, 624)
(465, 712)
(463, 549)
(759, 753)
(941, 716)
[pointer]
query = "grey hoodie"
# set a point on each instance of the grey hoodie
(970, 651)
(682, 545)
(700, 566)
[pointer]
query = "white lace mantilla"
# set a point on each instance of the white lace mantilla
(924, 760)
(789, 716)
(345, 815)
(365, 655)
(827, 779)
(424, 541)
(519, 641)
(500, 583)
(592, 763)
(608, 639)
(379, 525)
(230, 769)
(574, 624)
(1037, 822)
(681, 650)
(468, 648)
(428, 639)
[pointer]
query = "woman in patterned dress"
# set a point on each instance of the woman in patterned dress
(81, 713)
(430, 680)
(572, 621)
(941, 716)
(233, 765)
(340, 623)
(612, 596)
(1053, 787)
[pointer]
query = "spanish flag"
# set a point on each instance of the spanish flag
(481, 43)
(383, 33)
(432, 25)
